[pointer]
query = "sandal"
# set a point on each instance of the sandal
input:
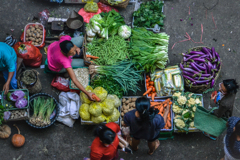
(130, 144)
(156, 146)
(207, 135)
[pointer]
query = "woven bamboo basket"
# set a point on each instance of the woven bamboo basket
(203, 87)
(120, 5)
(86, 61)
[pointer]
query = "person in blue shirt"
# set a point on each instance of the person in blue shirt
(8, 65)
(145, 123)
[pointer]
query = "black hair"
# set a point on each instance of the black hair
(66, 46)
(105, 134)
(231, 85)
(233, 137)
(146, 112)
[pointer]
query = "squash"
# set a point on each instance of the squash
(18, 140)
(5, 131)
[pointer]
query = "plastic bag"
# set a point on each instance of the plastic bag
(95, 109)
(43, 16)
(107, 107)
(83, 111)
(114, 117)
(84, 97)
(29, 53)
(105, 8)
(101, 93)
(61, 83)
(98, 119)
(115, 99)
(87, 16)
(91, 7)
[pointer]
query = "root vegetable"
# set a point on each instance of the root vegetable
(134, 100)
(122, 114)
(18, 140)
(122, 123)
(125, 111)
(123, 100)
(5, 131)
(41, 36)
(28, 31)
(32, 29)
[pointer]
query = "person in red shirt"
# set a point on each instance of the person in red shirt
(105, 145)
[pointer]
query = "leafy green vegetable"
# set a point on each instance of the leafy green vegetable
(2, 110)
(109, 51)
(108, 83)
(149, 14)
(149, 49)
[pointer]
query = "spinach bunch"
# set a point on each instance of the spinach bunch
(149, 14)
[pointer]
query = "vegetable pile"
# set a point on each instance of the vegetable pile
(35, 34)
(165, 82)
(16, 99)
(128, 104)
(149, 14)
(108, 83)
(201, 66)
(98, 112)
(149, 49)
(82, 75)
(124, 72)
(108, 51)
(15, 114)
(104, 25)
(151, 90)
(184, 107)
(2, 109)
(42, 111)
(161, 107)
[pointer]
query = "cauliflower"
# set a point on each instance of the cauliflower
(186, 114)
(179, 123)
(190, 102)
(191, 125)
(190, 95)
(182, 100)
(177, 116)
(176, 109)
(194, 109)
(193, 114)
(198, 101)
(177, 94)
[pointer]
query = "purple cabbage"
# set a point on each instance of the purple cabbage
(21, 103)
(6, 115)
(17, 95)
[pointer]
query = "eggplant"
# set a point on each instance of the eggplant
(191, 57)
(202, 82)
(202, 78)
(185, 55)
(187, 73)
(199, 66)
(207, 52)
(189, 78)
(209, 66)
(203, 75)
(196, 52)
(214, 66)
(198, 59)
(212, 83)
(195, 67)
(203, 56)
(213, 52)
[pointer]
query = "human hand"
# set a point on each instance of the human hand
(213, 97)
(6, 88)
(78, 50)
(90, 96)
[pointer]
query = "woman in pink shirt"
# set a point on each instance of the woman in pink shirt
(59, 59)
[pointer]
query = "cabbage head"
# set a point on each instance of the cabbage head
(21, 103)
(101, 93)
(14, 96)
(83, 112)
(95, 109)
(115, 99)
(124, 31)
(84, 97)
(107, 106)
(114, 117)
(98, 119)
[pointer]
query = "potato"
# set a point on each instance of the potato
(123, 100)
(38, 35)
(125, 111)
(32, 29)
(41, 36)
(34, 35)
(38, 30)
(122, 109)
(36, 26)
(28, 31)
(37, 40)
(130, 99)
(134, 99)
(122, 114)
(41, 28)
(127, 101)
(122, 123)
(35, 31)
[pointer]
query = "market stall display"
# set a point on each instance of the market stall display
(116, 3)
(16, 115)
(127, 104)
(149, 14)
(200, 67)
(44, 110)
(163, 83)
(148, 49)
(82, 75)
(106, 110)
(184, 107)
(34, 33)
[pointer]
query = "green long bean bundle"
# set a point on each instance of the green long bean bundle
(124, 72)
(109, 51)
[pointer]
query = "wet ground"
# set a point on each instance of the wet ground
(63, 143)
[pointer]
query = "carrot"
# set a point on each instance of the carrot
(153, 96)
(152, 105)
(161, 109)
(169, 124)
(147, 76)
(93, 57)
(154, 89)
(151, 83)
(147, 84)
(150, 95)
(169, 118)
(96, 98)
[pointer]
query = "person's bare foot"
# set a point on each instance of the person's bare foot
(157, 144)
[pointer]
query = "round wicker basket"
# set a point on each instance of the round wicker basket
(120, 5)
(203, 87)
